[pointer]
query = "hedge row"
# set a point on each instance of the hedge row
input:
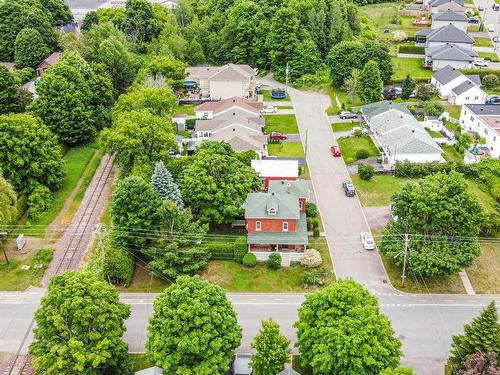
(228, 251)
(411, 49)
(481, 72)
(118, 264)
(415, 170)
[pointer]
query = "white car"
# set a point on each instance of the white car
(481, 63)
(367, 240)
(269, 109)
(491, 28)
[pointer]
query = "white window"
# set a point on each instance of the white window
(272, 211)
(476, 97)
(485, 131)
(285, 226)
(257, 225)
(466, 98)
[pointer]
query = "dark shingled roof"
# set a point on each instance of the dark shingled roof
(446, 74)
(484, 109)
(463, 87)
(451, 16)
(436, 3)
(450, 52)
(450, 34)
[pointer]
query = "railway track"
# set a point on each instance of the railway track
(18, 365)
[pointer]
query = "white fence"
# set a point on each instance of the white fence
(286, 258)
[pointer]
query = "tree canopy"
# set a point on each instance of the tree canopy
(139, 21)
(8, 202)
(30, 49)
(342, 331)
(10, 98)
(80, 324)
(193, 329)
(272, 349)
(165, 186)
(370, 89)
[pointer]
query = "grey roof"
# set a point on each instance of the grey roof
(451, 16)
(449, 34)
(150, 371)
(450, 52)
(446, 74)
(476, 78)
(258, 204)
(233, 72)
(484, 109)
(374, 109)
(423, 32)
(252, 123)
(288, 371)
(299, 237)
(244, 143)
(463, 87)
(297, 188)
(436, 3)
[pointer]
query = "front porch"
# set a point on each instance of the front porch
(281, 248)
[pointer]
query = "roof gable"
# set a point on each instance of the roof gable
(446, 75)
(464, 87)
(451, 16)
(375, 109)
(450, 34)
(260, 205)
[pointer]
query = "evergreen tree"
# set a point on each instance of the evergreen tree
(273, 349)
(371, 83)
(165, 186)
(90, 19)
(408, 87)
(30, 49)
(483, 334)
(10, 98)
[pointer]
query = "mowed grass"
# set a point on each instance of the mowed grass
(412, 66)
(344, 126)
(286, 124)
(13, 277)
(75, 162)
(482, 42)
(188, 109)
(144, 281)
(489, 56)
(139, 361)
(484, 274)
(454, 110)
(379, 190)
(433, 133)
(350, 145)
(486, 200)
(235, 277)
(451, 154)
(286, 149)
(381, 16)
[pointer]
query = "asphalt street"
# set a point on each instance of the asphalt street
(489, 16)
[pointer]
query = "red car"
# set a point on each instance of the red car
(335, 151)
(276, 135)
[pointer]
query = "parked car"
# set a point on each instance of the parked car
(348, 115)
(335, 151)
(495, 39)
(481, 63)
(367, 240)
(496, 7)
(276, 135)
(349, 188)
(358, 129)
(480, 8)
(491, 28)
(474, 20)
(390, 93)
(494, 99)
(269, 109)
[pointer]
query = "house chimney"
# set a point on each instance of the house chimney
(282, 182)
(289, 188)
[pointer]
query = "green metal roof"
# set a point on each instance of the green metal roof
(257, 206)
(298, 188)
(298, 237)
(377, 108)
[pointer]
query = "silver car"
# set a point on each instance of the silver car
(367, 240)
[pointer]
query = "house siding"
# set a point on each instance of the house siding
(472, 96)
(271, 225)
(438, 64)
(459, 25)
(471, 123)
(228, 89)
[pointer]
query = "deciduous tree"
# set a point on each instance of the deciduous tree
(139, 22)
(398, 371)
(193, 330)
(8, 202)
(157, 101)
(272, 349)
(30, 49)
(10, 98)
(80, 324)
(59, 11)
(165, 186)
(90, 19)
(341, 331)
(370, 89)
(171, 70)
(119, 62)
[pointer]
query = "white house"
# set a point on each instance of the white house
(483, 119)
(401, 136)
(459, 20)
(222, 82)
(449, 34)
(235, 105)
(458, 88)
(449, 54)
(438, 6)
(270, 169)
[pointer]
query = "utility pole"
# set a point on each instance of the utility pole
(405, 254)
(287, 72)
(2, 234)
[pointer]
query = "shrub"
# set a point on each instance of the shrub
(425, 91)
(24, 75)
(411, 49)
(249, 260)
(311, 210)
(366, 172)
(220, 251)
(433, 108)
(190, 123)
(491, 224)
(315, 223)
(39, 201)
(118, 264)
(362, 154)
(312, 258)
(274, 261)
(490, 80)
(310, 278)
(240, 248)
(349, 161)
(358, 133)
(43, 256)
(316, 232)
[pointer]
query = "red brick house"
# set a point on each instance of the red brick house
(276, 220)
(49, 61)
(269, 170)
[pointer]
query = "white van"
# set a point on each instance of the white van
(491, 28)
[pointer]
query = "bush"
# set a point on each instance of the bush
(310, 278)
(349, 161)
(490, 80)
(433, 108)
(366, 172)
(362, 154)
(190, 123)
(411, 49)
(220, 251)
(311, 210)
(249, 260)
(316, 232)
(43, 256)
(425, 91)
(118, 264)
(491, 225)
(415, 170)
(24, 75)
(274, 261)
(312, 258)
(39, 201)
(240, 248)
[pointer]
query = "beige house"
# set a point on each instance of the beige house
(234, 105)
(223, 82)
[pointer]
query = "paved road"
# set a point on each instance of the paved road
(489, 16)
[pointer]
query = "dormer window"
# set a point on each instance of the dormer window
(272, 211)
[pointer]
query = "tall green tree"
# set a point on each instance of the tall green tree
(29, 153)
(134, 207)
(119, 62)
(157, 101)
(90, 19)
(138, 137)
(193, 330)
(343, 58)
(80, 324)
(59, 11)
(166, 68)
(10, 98)
(370, 89)
(342, 331)
(165, 186)
(139, 22)
(216, 184)
(30, 49)
(439, 223)
(408, 87)
(272, 349)
(352, 85)
(481, 335)
(8, 202)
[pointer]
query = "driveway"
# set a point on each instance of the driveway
(336, 119)
(281, 112)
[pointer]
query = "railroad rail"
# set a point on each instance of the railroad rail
(18, 365)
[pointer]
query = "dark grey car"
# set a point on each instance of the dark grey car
(349, 188)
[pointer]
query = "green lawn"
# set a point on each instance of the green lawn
(473, 28)
(287, 149)
(453, 110)
(344, 126)
(379, 190)
(139, 361)
(349, 146)
(411, 66)
(13, 277)
(235, 277)
(286, 124)
(485, 198)
(335, 93)
(75, 163)
(188, 109)
(489, 56)
(451, 154)
(144, 281)
(482, 42)
(433, 133)
(378, 17)
(285, 107)
(268, 98)
(484, 274)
